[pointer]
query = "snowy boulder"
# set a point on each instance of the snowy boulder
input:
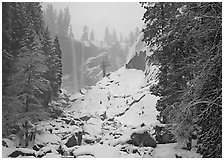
(22, 152)
(142, 139)
(89, 139)
(37, 147)
(7, 143)
(83, 91)
(46, 138)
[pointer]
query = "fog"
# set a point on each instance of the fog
(121, 16)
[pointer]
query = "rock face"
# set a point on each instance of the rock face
(137, 62)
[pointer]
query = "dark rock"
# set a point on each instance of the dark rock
(18, 153)
(143, 124)
(142, 139)
(77, 119)
(72, 141)
(110, 119)
(60, 150)
(85, 118)
(37, 147)
(50, 130)
(103, 116)
(4, 144)
(137, 62)
(79, 137)
(67, 121)
(163, 135)
(178, 156)
(73, 123)
(88, 141)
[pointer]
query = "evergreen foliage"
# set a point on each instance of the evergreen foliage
(85, 34)
(27, 50)
(188, 40)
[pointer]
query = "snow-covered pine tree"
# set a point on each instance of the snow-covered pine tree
(189, 57)
(28, 82)
(58, 65)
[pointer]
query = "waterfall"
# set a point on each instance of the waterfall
(75, 86)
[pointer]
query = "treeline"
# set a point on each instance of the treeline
(188, 37)
(75, 52)
(31, 65)
(59, 24)
(111, 38)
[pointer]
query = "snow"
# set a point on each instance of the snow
(170, 150)
(47, 138)
(98, 151)
(116, 107)
(136, 47)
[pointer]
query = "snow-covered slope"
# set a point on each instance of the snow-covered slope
(122, 91)
(116, 118)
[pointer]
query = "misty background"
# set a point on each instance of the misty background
(95, 38)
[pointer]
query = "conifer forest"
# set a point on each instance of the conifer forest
(152, 91)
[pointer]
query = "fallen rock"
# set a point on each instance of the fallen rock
(142, 140)
(22, 152)
(163, 135)
(37, 147)
(72, 141)
(85, 118)
(83, 91)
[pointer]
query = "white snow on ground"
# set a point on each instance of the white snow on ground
(114, 94)
(108, 114)
(98, 151)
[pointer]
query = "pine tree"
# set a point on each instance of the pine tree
(85, 34)
(50, 18)
(28, 82)
(92, 37)
(66, 21)
(25, 57)
(60, 25)
(114, 36)
(58, 65)
(188, 36)
(107, 36)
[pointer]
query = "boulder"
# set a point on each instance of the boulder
(37, 147)
(85, 118)
(72, 141)
(83, 91)
(22, 152)
(163, 135)
(142, 139)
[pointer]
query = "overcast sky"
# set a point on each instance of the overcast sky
(122, 16)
